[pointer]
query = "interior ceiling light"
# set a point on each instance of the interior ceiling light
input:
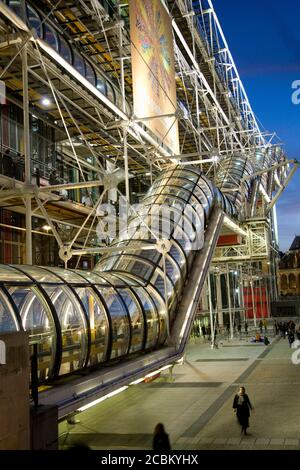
(46, 101)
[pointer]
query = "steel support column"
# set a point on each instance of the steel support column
(27, 155)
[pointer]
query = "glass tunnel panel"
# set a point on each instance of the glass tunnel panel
(152, 320)
(10, 274)
(99, 325)
(93, 277)
(65, 50)
(51, 37)
(68, 276)
(130, 279)
(119, 323)
(101, 84)
(78, 63)
(15, 5)
(73, 328)
(8, 320)
(40, 274)
(90, 74)
(34, 21)
(136, 319)
(37, 319)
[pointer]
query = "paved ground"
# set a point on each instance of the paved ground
(195, 404)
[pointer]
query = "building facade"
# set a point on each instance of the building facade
(289, 270)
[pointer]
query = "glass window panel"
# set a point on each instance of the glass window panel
(15, 5)
(158, 282)
(98, 324)
(8, 321)
(9, 274)
(73, 328)
(78, 63)
(130, 279)
(101, 84)
(40, 275)
(114, 280)
(51, 37)
(94, 277)
(65, 50)
(90, 74)
(37, 319)
(107, 263)
(191, 176)
(136, 318)
(139, 267)
(110, 93)
(34, 21)
(119, 322)
(68, 275)
(173, 271)
(151, 317)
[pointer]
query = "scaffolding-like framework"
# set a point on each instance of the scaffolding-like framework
(213, 112)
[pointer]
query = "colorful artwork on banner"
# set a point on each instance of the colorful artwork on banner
(152, 57)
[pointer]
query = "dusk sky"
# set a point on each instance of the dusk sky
(264, 39)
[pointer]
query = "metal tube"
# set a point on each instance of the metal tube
(126, 166)
(229, 302)
(253, 300)
(27, 155)
(212, 327)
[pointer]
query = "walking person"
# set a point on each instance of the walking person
(246, 327)
(261, 326)
(242, 407)
(291, 337)
(160, 438)
(265, 323)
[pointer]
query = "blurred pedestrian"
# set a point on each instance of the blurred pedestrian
(242, 407)
(160, 438)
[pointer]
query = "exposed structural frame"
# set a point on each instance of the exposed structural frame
(216, 118)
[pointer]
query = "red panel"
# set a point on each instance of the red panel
(260, 302)
(231, 239)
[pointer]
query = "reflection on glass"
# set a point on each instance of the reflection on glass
(119, 322)
(38, 321)
(34, 21)
(8, 321)
(73, 328)
(65, 50)
(90, 74)
(39, 274)
(98, 324)
(136, 319)
(51, 37)
(78, 63)
(152, 322)
(9, 274)
(68, 276)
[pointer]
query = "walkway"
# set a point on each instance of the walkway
(195, 404)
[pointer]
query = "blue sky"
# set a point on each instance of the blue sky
(264, 39)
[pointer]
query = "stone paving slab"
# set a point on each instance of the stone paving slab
(200, 416)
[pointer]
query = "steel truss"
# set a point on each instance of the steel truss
(213, 112)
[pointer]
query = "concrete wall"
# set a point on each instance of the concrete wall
(14, 393)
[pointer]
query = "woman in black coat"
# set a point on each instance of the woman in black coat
(242, 406)
(160, 438)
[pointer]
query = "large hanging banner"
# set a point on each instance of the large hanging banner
(153, 71)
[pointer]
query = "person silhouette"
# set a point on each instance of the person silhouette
(242, 407)
(160, 438)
